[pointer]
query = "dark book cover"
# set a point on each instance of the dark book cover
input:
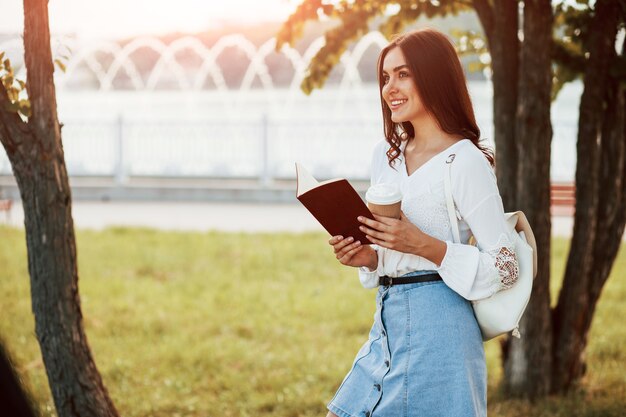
(334, 203)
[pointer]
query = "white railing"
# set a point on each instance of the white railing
(119, 122)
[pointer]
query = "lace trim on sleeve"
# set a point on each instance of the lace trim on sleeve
(505, 261)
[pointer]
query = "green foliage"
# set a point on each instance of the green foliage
(13, 88)
(353, 17)
(571, 24)
(60, 64)
(570, 47)
(306, 11)
(63, 56)
(474, 44)
(264, 325)
(16, 87)
(410, 11)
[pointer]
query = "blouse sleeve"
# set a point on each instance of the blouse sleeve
(476, 272)
(368, 278)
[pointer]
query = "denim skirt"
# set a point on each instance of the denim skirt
(424, 358)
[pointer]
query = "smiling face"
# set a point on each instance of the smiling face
(399, 90)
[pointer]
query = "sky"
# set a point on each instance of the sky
(121, 18)
(111, 19)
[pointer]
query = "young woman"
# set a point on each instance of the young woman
(424, 355)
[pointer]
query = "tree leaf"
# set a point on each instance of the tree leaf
(475, 66)
(12, 94)
(60, 64)
(24, 107)
(12, 106)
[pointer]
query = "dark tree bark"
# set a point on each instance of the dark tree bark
(599, 218)
(36, 154)
(528, 360)
(501, 34)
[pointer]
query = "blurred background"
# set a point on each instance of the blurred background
(183, 116)
(193, 103)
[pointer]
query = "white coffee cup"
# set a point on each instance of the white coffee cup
(384, 199)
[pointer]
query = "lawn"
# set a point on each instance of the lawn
(226, 324)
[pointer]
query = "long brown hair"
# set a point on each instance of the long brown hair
(438, 76)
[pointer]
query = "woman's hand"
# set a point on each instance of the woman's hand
(352, 253)
(403, 236)
(400, 235)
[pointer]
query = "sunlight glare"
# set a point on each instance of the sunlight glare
(120, 18)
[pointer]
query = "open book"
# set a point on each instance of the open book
(334, 203)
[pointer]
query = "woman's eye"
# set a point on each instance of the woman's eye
(403, 74)
(385, 79)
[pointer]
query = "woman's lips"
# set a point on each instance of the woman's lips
(395, 103)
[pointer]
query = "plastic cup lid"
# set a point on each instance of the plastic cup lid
(384, 193)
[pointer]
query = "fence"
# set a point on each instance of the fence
(263, 149)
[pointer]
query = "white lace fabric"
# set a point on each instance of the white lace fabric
(427, 213)
(505, 262)
(500, 263)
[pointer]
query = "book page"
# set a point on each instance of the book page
(306, 181)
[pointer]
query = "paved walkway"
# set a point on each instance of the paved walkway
(202, 216)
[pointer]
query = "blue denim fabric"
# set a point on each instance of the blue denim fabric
(424, 357)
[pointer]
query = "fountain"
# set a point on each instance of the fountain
(253, 130)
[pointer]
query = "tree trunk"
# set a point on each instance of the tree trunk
(527, 361)
(36, 154)
(504, 47)
(599, 200)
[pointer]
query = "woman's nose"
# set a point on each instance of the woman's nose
(390, 87)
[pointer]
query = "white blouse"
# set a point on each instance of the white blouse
(474, 272)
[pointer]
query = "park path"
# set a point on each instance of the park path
(204, 216)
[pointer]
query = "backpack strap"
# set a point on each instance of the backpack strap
(447, 180)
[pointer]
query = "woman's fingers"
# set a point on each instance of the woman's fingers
(338, 242)
(345, 259)
(342, 243)
(372, 232)
(346, 249)
(334, 239)
(373, 224)
(384, 219)
(374, 240)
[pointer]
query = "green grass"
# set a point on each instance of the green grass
(218, 324)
